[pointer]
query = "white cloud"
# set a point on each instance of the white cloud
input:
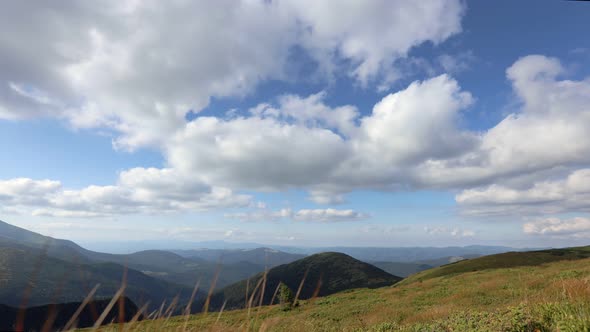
(576, 227)
(373, 34)
(304, 215)
(571, 194)
(139, 190)
(329, 151)
(139, 67)
(413, 139)
(23, 191)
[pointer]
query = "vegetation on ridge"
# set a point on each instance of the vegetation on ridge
(318, 275)
(552, 296)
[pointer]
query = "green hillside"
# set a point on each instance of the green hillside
(540, 294)
(325, 274)
(505, 260)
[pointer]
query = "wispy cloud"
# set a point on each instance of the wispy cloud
(304, 215)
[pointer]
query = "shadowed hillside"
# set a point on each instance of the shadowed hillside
(324, 273)
(160, 264)
(42, 280)
(56, 317)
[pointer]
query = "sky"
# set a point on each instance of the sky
(298, 123)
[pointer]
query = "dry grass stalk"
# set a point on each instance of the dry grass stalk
(220, 312)
(71, 323)
(316, 292)
(301, 286)
(135, 318)
(252, 296)
(247, 291)
(108, 308)
(187, 310)
(274, 295)
(211, 289)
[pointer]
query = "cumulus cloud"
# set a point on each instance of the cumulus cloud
(138, 67)
(571, 194)
(328, 151)
(23, 191)
(412, 139)
(576, 227)
(538, 159)
(549, 131)
(139, 190)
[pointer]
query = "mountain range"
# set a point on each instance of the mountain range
(37, 270)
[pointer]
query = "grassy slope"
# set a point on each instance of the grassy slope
(499, 296)
(505, 260)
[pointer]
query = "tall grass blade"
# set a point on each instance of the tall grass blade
(108, 308)
(70, 324)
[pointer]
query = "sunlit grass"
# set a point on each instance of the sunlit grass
(548, 297)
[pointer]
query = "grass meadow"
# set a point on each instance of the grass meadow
(549, 297)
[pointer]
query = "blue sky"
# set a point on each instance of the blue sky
(459, 123)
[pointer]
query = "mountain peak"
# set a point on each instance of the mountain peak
(325, 273)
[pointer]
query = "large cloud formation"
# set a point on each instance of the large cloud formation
(126, 66)
(138, 67)
(303, 143)
(538, 159)
(412, 139)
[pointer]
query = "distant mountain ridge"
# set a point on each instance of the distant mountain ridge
(164, 274)
(405, 254)
(267, 257)
(62, 271)
(38, 280)
(158, 275)
(65, 272)
(366, 254)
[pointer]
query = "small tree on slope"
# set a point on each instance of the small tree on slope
(286, 296)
